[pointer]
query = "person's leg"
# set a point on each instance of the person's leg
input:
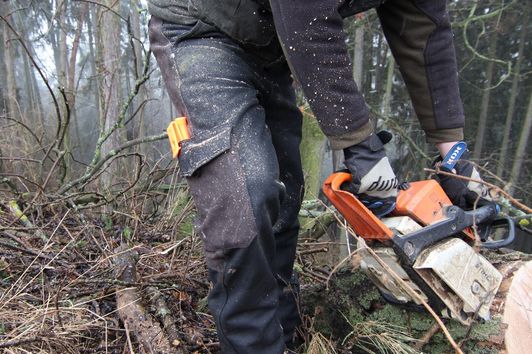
(232, 170)
(284, 119)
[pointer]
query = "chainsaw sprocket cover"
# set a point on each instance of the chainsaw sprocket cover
(464, 280)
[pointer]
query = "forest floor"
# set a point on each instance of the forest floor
(68, 278)
(64, 271)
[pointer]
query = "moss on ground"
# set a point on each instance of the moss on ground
(352, 298)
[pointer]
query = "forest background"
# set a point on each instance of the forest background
(80, 92)
(85, 164)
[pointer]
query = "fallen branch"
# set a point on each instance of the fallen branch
(93, 169)
(147, 331)
(427, 337)
(164, 315)
(17, 342)
(14, 208)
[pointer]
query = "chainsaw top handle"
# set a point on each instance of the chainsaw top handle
(410, 246)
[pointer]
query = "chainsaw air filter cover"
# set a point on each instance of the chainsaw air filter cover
(464, 280)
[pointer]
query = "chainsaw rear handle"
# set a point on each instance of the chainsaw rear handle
(505, 241)
(410, 246)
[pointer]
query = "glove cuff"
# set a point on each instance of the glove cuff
(452, 157)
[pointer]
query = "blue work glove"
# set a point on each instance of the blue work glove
(463, 193)
(374, 182)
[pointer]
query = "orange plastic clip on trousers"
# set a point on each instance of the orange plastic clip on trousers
(177, 132)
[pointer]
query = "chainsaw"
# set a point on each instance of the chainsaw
(427, 241)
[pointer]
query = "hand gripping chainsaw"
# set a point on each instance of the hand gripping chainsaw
(426, 241)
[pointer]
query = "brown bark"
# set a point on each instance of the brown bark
(9, 59)
(513, 95)
(130, 309)
(522, 146)
(140, 128)
(109, 75)
(484, 105)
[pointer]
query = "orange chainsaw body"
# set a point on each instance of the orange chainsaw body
(423, 201)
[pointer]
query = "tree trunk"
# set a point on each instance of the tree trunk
(358, 56)
(34, 104)
(109, 72)
(94, 84)
(3, 89)
(139, 63)
(484, 105)
(521, 146)
(379, 53)
(71, 74)
(61, 57)
(386, 107)
(513, 95)
(9, 59)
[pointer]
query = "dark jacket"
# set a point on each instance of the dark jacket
(312, 36)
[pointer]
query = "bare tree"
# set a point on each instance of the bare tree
(9, 59)
(486, 94)
(514, 91)
(521, 146)
(135, 34)
(108, 63)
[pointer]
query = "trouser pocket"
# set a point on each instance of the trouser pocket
(218, 186)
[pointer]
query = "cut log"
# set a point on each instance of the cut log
(518, 312)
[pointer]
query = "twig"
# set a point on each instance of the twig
(15, 342)
(94, 169)
(468, 45)
(165, 316)
(37, 67)
(309, 273)
(335, 269)
(108, 8)
(126, 327)
(493, 186)
(24, 250)
(426, 337)
(312, 251)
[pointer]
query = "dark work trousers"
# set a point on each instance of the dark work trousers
(243, 167)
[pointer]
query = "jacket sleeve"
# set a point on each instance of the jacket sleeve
(314, 42)
(420, 37)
